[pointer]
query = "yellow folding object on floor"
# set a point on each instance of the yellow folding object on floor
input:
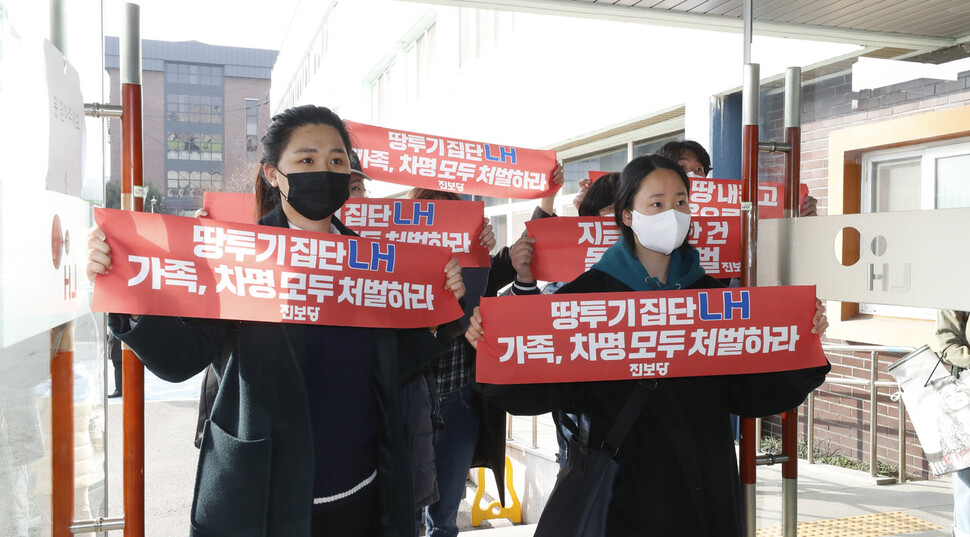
(496, 509)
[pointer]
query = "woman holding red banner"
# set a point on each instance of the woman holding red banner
(677, 469)
(315, 430)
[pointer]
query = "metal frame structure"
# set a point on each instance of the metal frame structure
(62, 337)
(791, 148)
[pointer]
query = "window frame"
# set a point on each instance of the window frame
(928, 153)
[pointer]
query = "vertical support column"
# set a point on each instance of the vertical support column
(133, 380)
(789, 420)
(62, 429)
(749, 176)
(749, 270)
(793, 137)
(874, 414)
(62, 371)
(789, 473)
(902, 441)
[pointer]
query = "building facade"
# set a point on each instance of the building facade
(204, 108)
(605, 86)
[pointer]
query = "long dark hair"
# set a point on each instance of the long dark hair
(275, 140)
(629, 183)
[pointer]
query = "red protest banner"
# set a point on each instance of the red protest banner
(230, 206)
(722, 197)
(450, 224)
(621, 336)
(192, 267)
(453, 165)
(718, 241)
(567, 247)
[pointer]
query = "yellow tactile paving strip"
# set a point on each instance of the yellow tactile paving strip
(874, 525)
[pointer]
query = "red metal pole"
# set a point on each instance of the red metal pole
(62, 430)
(133, 378)
(789, 444)
(749, 270)
(749, 222)
(789, 420)
(793, 163)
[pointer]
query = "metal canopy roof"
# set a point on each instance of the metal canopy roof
(900, 27)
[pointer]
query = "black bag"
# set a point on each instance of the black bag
(210, 385)
(580, 501)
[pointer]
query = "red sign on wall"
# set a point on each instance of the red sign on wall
(191, 267)
(658, 334)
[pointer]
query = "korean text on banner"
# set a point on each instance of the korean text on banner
(453, 165)
(622, 336)
(722, 198)
(450, 224)
(191, 267)
(230, 206)
(567, 247)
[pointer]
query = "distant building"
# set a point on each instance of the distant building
(204, 108)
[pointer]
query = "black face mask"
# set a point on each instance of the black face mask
(317, 195)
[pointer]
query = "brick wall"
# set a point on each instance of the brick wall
(842, 413)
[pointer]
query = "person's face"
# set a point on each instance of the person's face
(953, 397)
(357, 188)
(660, 190)
(311, 148)
(691, 164)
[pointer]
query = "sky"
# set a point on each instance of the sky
(237, 23)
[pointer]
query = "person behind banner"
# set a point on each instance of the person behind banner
(953, 345)
(468, 432)
(697, 163)
(315, 429)
(677, 467)
(357, 187)
(597, 200)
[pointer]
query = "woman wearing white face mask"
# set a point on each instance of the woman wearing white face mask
(677, 466)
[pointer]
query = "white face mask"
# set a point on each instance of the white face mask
(663, 232)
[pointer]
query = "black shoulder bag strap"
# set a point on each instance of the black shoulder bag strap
(624, 421)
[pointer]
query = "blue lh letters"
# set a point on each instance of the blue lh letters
(427, 214)
(506, 154)
(743, 305)
(376, 257)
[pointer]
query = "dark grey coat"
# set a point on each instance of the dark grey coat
(256, 464)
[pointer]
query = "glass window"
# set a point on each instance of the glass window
(953, 182)
(924, 177)
(651, 146)
(252, 129)
(896, 185)
(500, 229)
(612, 161)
